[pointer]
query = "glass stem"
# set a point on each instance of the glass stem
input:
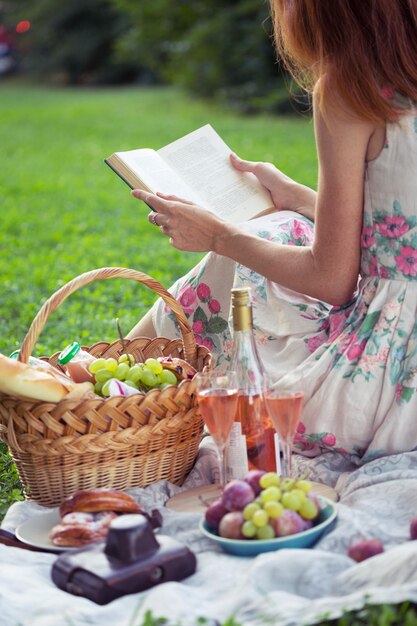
(286, 458)
(222, 464)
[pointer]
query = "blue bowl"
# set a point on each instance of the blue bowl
(305, 539)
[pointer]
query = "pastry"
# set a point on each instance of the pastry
(96, 500)
(181, 369)
(86, 516)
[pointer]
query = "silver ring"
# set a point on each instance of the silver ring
(153, 219)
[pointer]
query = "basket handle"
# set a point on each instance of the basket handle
(188, 339)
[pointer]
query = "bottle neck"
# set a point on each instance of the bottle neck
(246, 362)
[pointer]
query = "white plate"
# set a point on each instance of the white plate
(35, 531)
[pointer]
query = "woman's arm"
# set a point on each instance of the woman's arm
(328, 270)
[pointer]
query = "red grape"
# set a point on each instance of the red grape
(236, 495)
(252, 478)
(364, 549)
(413, 528)
(231, 525)
(214, 514)
(288, 523)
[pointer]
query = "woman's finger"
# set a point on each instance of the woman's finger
(152, 218)
(241, 164)
(173, 198)
(150, 199)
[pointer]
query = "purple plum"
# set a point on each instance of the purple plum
(231, 525)
(252, 478)
(413, 528)
(214, 514)
(288, 523)
(236, 495)
(364, 549)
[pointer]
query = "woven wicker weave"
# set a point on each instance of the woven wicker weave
(114, 442)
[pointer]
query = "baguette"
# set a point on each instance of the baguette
(21, 380)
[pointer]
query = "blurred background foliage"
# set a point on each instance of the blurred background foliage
(223, 52)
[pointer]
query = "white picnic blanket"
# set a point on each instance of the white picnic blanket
(285, 588)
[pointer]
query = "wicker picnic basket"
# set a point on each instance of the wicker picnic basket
(106, 442)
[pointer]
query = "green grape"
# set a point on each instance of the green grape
(287, 484)
(304, 485)
(130, 383)
(123, 358)
(265, 532)
(149, 378)
(121, 371)
(154, 365)
(102, 375)
(300, 493)
(248, 529)
(249, 510)
(273, 509)
(270, 479)
(97, 388)
(164, 386)
(135, 373)
(260, 518)
(96, 365)
(291, 501)
(166, 376)
(105, 390)
(308, 509)
(111, 364)
(270, 494)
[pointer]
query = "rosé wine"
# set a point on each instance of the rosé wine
(285, 412)
(259, 432)
(218, 408)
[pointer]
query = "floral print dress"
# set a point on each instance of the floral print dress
(357, 364)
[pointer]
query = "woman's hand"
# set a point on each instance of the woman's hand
(188, 226)
(285, 192)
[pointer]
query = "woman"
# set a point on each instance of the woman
(353, 345)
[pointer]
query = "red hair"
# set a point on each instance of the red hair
(355, 51)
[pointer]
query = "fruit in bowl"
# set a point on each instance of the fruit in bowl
(264, 512)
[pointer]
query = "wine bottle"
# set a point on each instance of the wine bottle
(253, 442)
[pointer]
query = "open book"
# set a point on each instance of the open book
(197, 168)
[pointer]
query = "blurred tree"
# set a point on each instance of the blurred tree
(75, 40)
(224, 51)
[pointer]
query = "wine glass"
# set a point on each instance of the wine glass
(284, 407)
(217, 398)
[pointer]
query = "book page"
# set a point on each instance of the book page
(202, 160)
(156, 173)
